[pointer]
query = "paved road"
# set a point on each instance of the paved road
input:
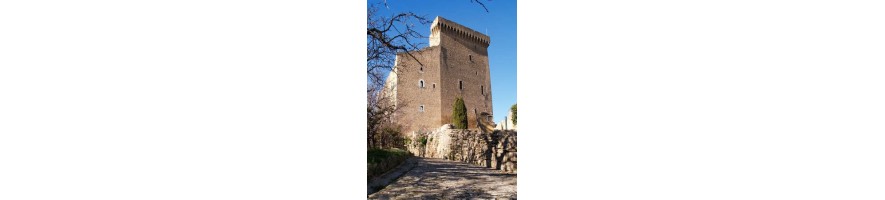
(443, 179)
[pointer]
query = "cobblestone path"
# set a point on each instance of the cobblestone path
(444, 179)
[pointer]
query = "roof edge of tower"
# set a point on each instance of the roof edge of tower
(440, 22)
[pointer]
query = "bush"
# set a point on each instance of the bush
(423, 140)
(379, 161)
(389, 136)
(459, 114)
(513, 110)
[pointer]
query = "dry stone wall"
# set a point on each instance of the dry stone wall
(494, 150)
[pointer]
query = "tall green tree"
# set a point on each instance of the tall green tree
(459, 114)
(513, 110)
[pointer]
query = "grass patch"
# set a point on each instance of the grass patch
(379, 161)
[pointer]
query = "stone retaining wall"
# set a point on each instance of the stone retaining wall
(494, 150)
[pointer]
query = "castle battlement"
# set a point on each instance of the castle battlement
(441, 24)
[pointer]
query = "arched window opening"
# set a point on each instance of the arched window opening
(421, 83)
(421, 108)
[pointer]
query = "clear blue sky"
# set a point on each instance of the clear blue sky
(499, 23)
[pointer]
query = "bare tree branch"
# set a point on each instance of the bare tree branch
(480, 4)
(387, 36)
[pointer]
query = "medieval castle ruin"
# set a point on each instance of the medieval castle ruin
(425, 83)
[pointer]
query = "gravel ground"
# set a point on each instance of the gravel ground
(444, 179)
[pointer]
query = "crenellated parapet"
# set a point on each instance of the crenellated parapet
(443, 25)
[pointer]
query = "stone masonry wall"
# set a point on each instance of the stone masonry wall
(410, 96)
(456, 64)
(494, 150)
(464, 71)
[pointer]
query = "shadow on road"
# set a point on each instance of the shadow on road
(443, 179)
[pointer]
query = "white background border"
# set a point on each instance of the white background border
(620, 100)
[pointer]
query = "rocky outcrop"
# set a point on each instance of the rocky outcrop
(495, 149)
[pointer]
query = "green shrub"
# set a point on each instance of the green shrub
(375, 156)
(459, 114)
(379, 161)
(423, 140)
(513, 110)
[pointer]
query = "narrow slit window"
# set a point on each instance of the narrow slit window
(461, 85)
(482, 89)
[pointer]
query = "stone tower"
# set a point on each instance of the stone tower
(425, 83)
